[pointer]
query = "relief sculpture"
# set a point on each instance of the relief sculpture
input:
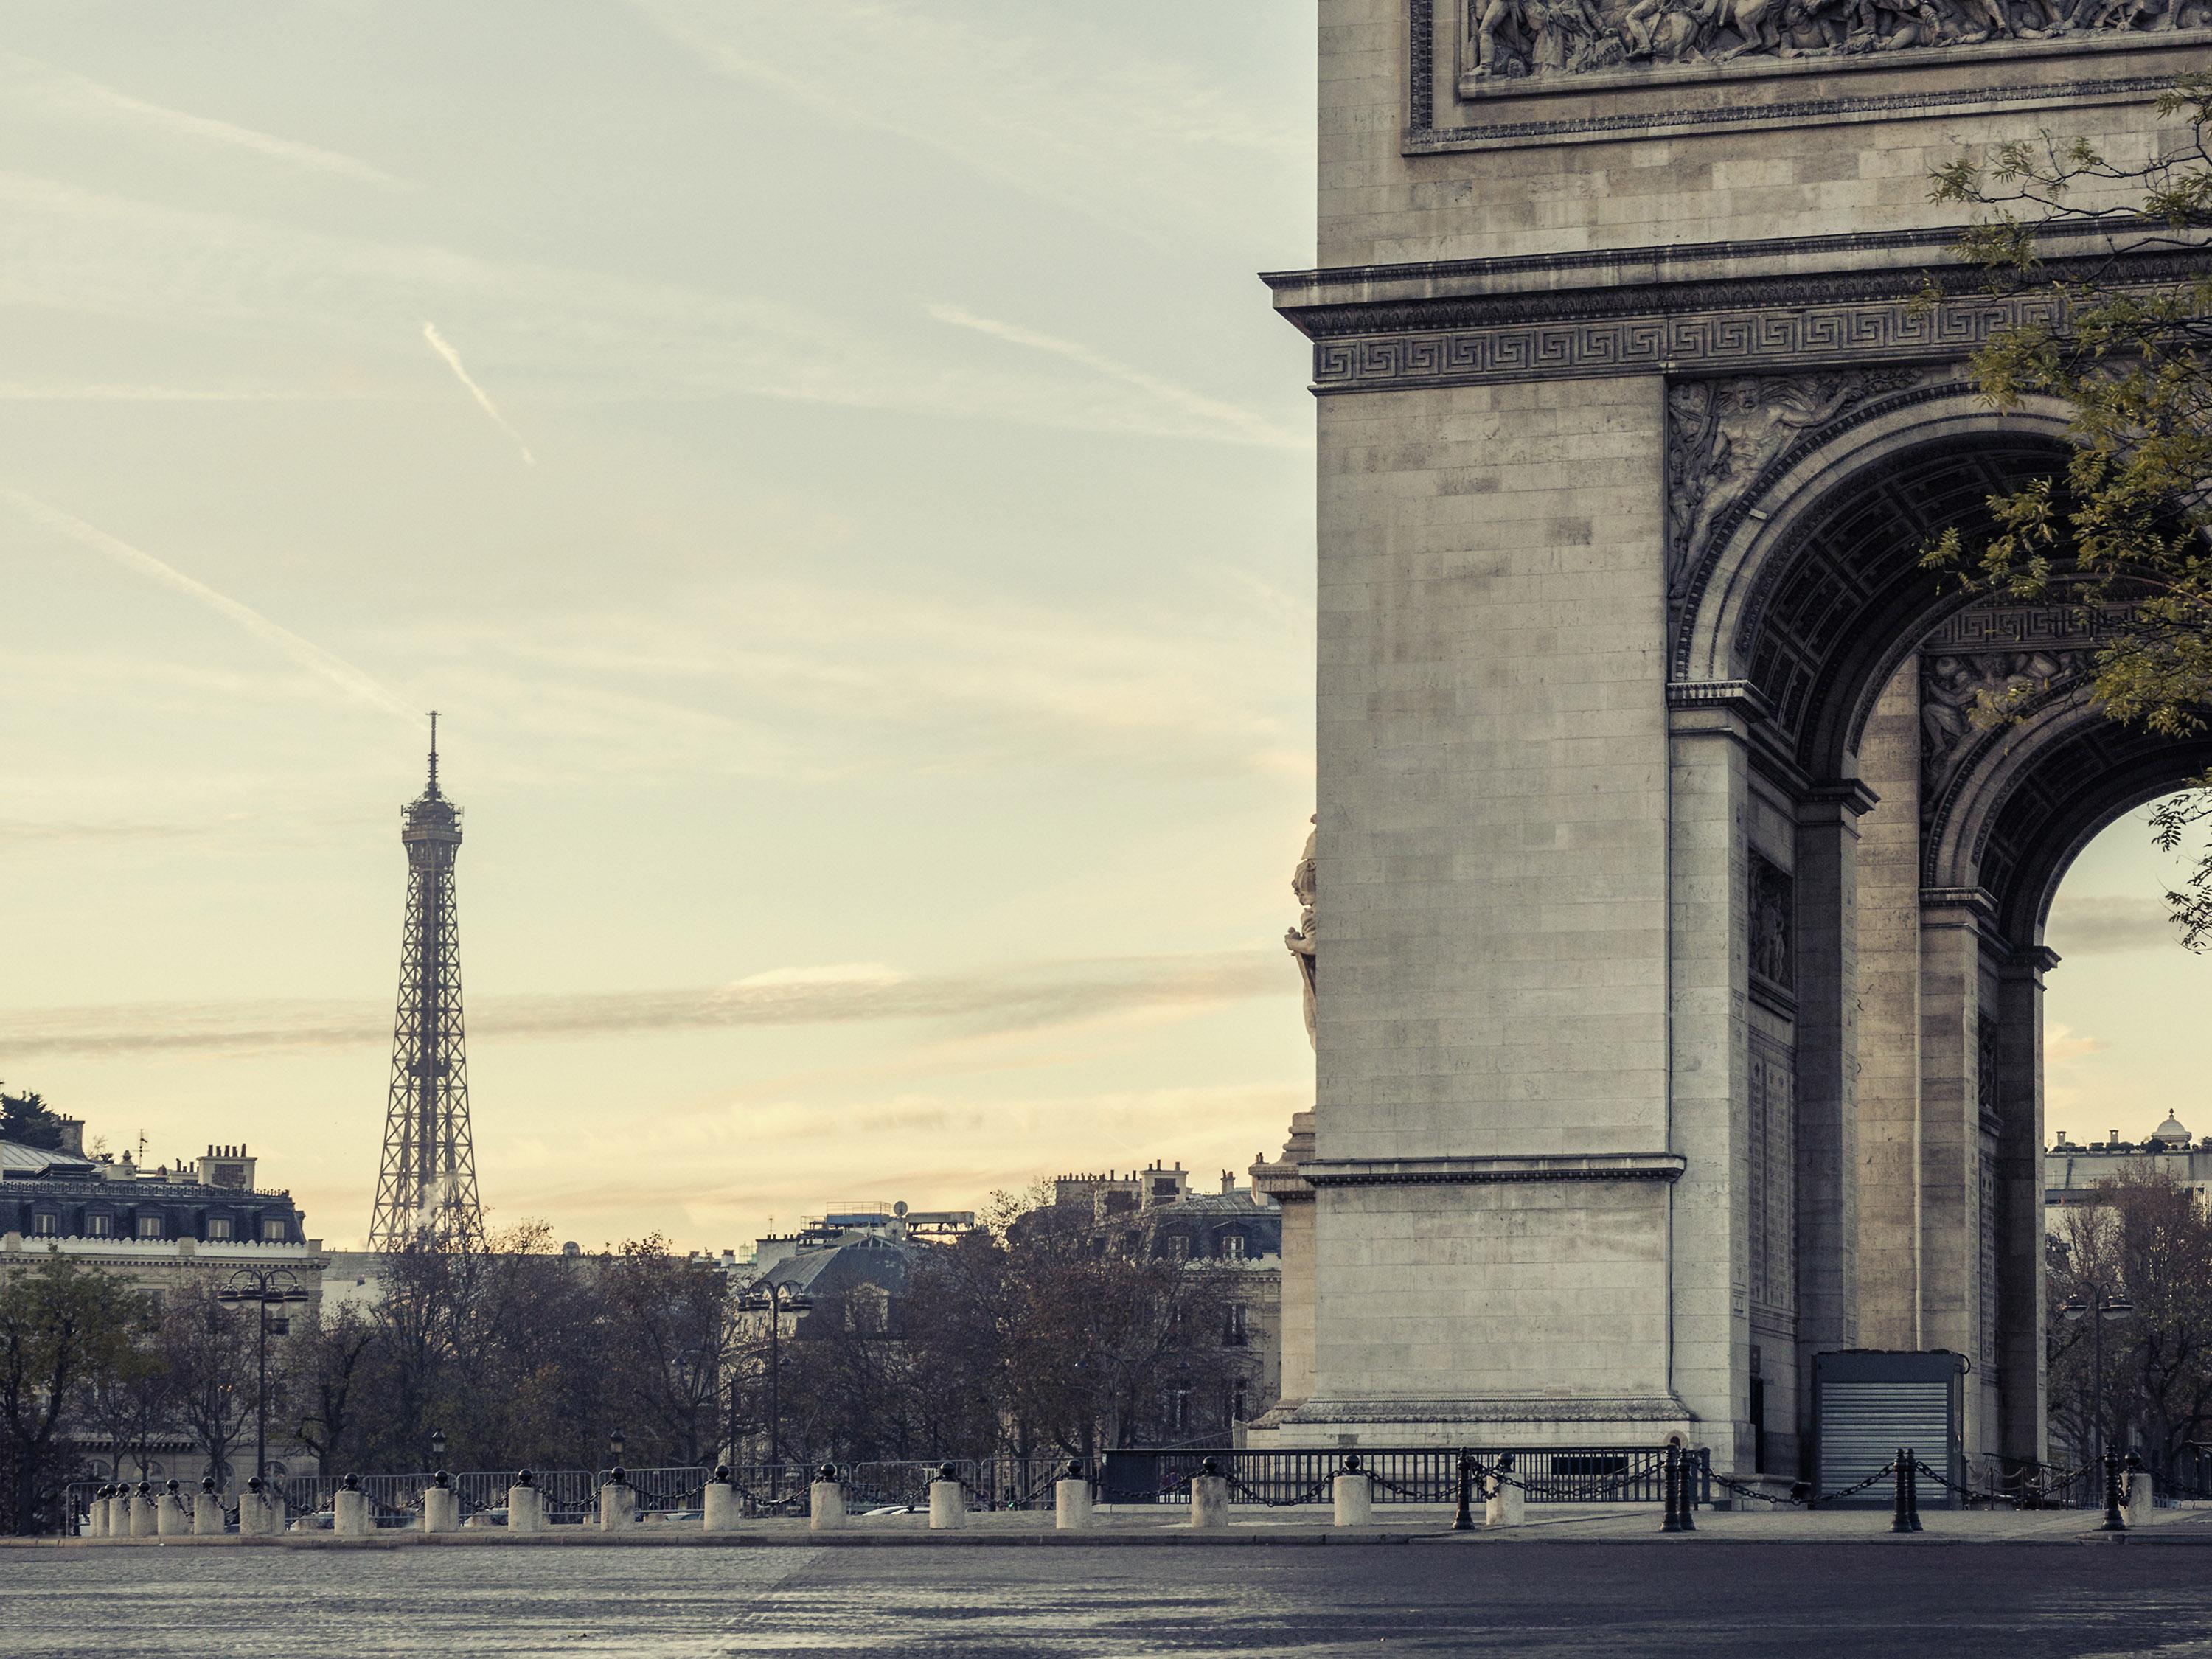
(1514, 40)
(1721, 434)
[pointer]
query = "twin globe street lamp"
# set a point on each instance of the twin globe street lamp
(261, 1289)
(2097, 1307)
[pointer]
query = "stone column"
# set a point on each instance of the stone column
(442, 1509)
(1352, 1494)
(1952, 921)
(208, 1521)
(720, 1503)
(1889, 1171)
(349, 1516)
(1071, 1500)
(2023, 1430)
(1209, 1498)
(948, 1502)
(1827, 1082)
(618, 1503)
(526, 1508)
(141, 1511)
(1707, 1235)
(825, 1503)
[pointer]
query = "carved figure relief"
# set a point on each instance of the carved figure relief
(1774, 923)
(1722, 434)
(1504, 40)
(1302, 941)
(1953, 687)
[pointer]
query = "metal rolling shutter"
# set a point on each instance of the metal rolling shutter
(1863, 1423)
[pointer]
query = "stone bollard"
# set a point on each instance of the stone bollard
(525, 1504)
(1071, 1499)
(207, 1511)
(95, 1515)
(948, 1501)
(617, 1502)
(1209, 1496)
(350, 1517)
(825, 1502)
(141, 1511)
(441, 1505)
(1504, 1503)
(720, 1503)
(1353, 1496)
(253, 1511)
(170, 1519)
(2137, 1505)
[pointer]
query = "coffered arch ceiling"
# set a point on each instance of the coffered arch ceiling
(1842, 596)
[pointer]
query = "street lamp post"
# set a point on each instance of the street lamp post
(777, 1299)
(2097, 1307)
(263, 1288)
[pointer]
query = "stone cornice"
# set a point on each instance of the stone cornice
(1504, 1408)
(1716, 307)
(1465, 1171)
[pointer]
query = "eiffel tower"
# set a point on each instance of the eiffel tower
(427, 1190)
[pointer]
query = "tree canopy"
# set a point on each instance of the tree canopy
(2123, 531)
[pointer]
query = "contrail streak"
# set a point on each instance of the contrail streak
(306, 652)
(1244, 425)
(483, 399)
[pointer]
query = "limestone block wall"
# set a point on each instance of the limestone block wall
(1493, 757)
(1491, 1293)
(1781, 179)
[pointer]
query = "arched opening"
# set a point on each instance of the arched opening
(1889, 882)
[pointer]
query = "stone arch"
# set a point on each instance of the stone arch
(1807, 590)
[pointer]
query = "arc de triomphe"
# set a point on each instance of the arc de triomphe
(1679, 937)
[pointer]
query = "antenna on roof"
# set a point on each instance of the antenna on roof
(433, 753)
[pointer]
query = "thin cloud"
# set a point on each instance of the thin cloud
(1242, 425)
(2101, 925)
(586, 336)
(306, 652)
(64, 92)
(483, 399)
(1017, 999)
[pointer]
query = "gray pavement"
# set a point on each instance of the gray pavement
(1546, 1591)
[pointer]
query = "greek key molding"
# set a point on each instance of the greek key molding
(1751, 338)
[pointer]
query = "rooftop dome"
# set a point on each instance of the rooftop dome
(2170, 1132)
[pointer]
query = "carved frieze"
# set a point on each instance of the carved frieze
(1962, 692)
(1503, 42)
(1722, 434)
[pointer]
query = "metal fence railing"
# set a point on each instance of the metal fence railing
(1426, 1474)
(1421, 1474)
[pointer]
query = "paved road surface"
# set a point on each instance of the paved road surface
(1532, 1601)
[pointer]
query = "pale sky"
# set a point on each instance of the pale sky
(834, 468)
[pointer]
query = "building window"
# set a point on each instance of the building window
(1178, 1250)
(1235, 1335)
(99, 1226)
(1232, 1248)
(279, 1327)
(149, 1226)
(219, 1226)
(45, 1225)
(272, 1232)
